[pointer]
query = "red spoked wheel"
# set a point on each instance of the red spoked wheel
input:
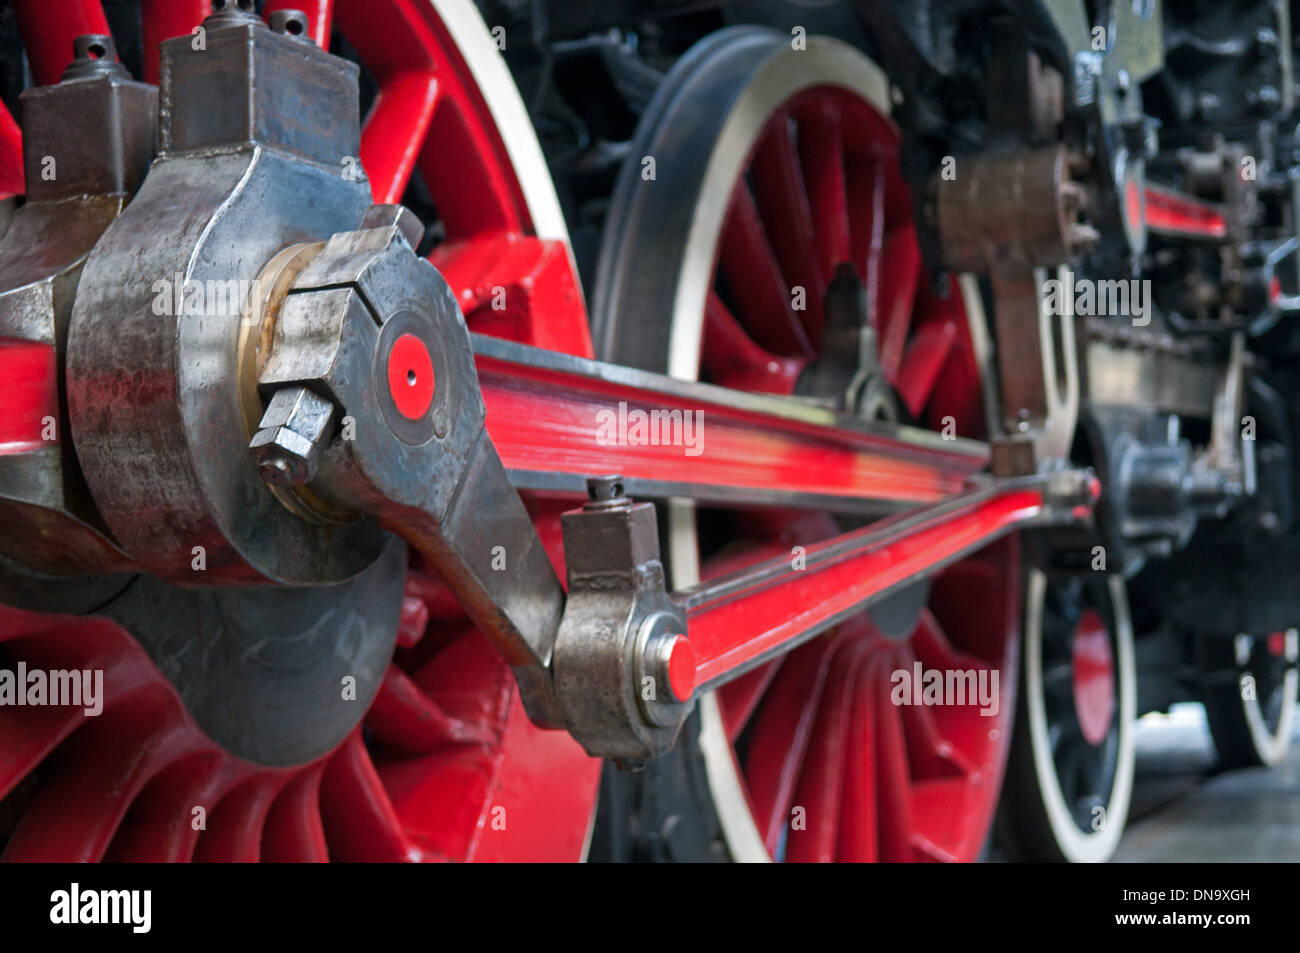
(1071, 766)
(445, 764)
(774, 169)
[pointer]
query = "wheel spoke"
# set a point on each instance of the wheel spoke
(821, 153)
(161, 20)
(516, 287)
(933, 648)
(820, 791)
(94, 777)
(160, 827)
(942, 812)
(48, 28)
(786, 210)
(758, 289)
(929, 753)
(968, 734)
(359, 818)
(780, 736)
(405, 719)
(859, 834)
(731, 358)
(27, 736)
(11, 156)
(975, 598)
(293, 829)
(740, 697)
(900, 272)
(924, 358)
(893, 777)
(866, 184)
(234, 834)
(395, 132)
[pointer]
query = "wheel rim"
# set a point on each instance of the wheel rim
(1084, 775)
(801, 174)
(1268, 690)
(446, 764)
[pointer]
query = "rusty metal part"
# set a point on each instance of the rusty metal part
(87, 143)
(1009, 216)
(1012, 211)
(158, 410)
(1038, 371)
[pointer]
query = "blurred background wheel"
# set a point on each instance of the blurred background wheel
(1250, 701)
(1070, 773)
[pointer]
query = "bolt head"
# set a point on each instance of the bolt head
(294, 431)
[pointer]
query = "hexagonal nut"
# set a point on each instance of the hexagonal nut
(293, 433)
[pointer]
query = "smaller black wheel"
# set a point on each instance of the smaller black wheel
(1249, 690)
(1069, 773)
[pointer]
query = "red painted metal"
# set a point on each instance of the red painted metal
(31, 395)
(782, 732)
(731, 358)
(12, 179)
(755, 280)
(517, 287)
(395, 131)
(919, 370)
(821, 154)
(1093, 676)
(48, 28)
(732, 631)
(787, 215)
(410, 376)
(1172, 213)
(681, 668)
(547, 418)
(899, 273)
(163, 19)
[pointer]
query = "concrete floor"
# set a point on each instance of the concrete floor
(1182, 811)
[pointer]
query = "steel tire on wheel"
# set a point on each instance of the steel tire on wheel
(773, 166)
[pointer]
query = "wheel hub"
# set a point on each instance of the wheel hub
(1093, 676)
